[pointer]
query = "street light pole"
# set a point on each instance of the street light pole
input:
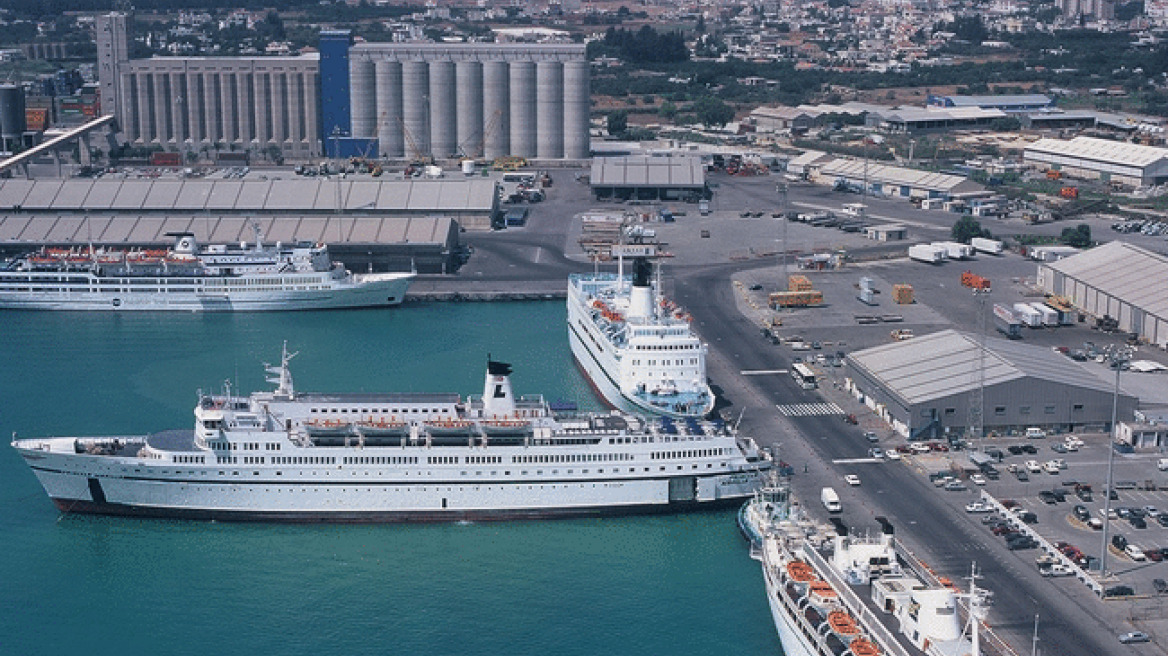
(781, 189)
(1117, 357)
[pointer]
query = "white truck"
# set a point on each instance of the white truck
(991, 246)
(1029, 317)
(954, 250)
(1050, 316)
(927, 253)
(830, 500)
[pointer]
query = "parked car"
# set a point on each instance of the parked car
(1119, 542)
(1160, 586)
(1081, 513)
(851, 479)
(1132, 637)
(955, 486)
(1137, 522)
(977, 479)
(1135, 553)
(1120, 591)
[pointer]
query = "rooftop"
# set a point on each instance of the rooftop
(945, 363)
(648, 172)
(1101, 150)
(1124, 271)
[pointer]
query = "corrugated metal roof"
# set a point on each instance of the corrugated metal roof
(13, 192)
(1119, 269)
(163, 195)
(997, 101)
(647, 171)
(1101, 150)
(42, 195)
(131, 194)
(945, 363)
(884, 174)
(73, 193)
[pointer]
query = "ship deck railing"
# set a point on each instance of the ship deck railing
(873, 623)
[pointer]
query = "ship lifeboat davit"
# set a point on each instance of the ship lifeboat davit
(822, 594)
(863, 647)
(800, 571)
(843, 624)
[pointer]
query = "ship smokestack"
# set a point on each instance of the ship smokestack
(641, 299)
(498, 401)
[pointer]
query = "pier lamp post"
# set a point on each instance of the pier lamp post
(1117, 358)
(781, 190)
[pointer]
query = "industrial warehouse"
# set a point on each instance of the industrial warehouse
(1087, 157)
(415, 101)
(648, 178)
(924, 387)
(386, 225)
(1118, 280)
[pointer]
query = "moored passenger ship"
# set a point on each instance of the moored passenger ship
(815, 577)
(289, 456)
(193, 278)
(636, 346)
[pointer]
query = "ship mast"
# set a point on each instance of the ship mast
(281, 375)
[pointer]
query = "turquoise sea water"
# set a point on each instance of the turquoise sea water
(677, 585)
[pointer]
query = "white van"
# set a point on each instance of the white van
(1035, 433)
(830, 500)
(1162, 464)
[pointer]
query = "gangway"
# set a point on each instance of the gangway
(51, 145)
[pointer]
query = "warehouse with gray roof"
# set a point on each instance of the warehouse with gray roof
(924, 387)
(368, 224)
(1088, 157)
(648, 178)
(1117, 280)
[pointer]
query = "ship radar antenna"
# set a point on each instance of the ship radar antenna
(978, 600)
(281, 375)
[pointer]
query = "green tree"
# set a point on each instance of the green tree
(713, 112)
(1078, 236)
(667, 110)
(618, 123)
(967, 228)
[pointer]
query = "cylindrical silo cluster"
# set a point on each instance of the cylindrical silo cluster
(12, 120)
(472, 100)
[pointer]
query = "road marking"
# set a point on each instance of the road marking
(809, 409)
(761, 372)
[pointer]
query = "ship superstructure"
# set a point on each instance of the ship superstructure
(291, 456)
(815, 576)
(192, 277)
(636, 347)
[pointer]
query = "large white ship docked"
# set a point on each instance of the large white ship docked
(815, 578)
(189, 277)
(636, 347)
(290, 456)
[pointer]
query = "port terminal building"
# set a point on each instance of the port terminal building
(408, 101)
(1117, 280)
(924, 387)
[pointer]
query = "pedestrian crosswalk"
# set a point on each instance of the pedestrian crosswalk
(809, 409)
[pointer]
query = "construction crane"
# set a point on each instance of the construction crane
(479, 146)
(416, 153)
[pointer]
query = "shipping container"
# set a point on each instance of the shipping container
(927, 253)
(954, 250)
(974, 281)
(165, 159)
(1027, 315)
(902, 294)
(798, 283)
(991, 246)
(1050, 316)
(1006, 322)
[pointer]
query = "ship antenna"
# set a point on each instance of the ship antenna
(282, 375)
(740, 415)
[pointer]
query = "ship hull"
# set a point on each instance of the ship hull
(85, 484)
(369, 290)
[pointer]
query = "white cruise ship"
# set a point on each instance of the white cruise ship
(815, 576)
(636, 347)
(290, 456)
(193, 278)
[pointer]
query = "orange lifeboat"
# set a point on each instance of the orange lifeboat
(843, 623)
(863, 647)
(800, 571)
(822, 592)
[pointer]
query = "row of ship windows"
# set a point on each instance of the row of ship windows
(239, 446)
(664, 347)
(380, 460)
(190, 459)
(696, 453)
(365, 411)
(259, 460)
(665, 363)
(303, 460)
(573, 457)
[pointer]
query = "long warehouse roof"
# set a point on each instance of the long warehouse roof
(1101, 150)
(647, 172)
(945, 363)
(884, 174)
(298, 194)
(1127, 272)
(152, 228)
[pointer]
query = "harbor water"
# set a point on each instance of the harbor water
(677, 585)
